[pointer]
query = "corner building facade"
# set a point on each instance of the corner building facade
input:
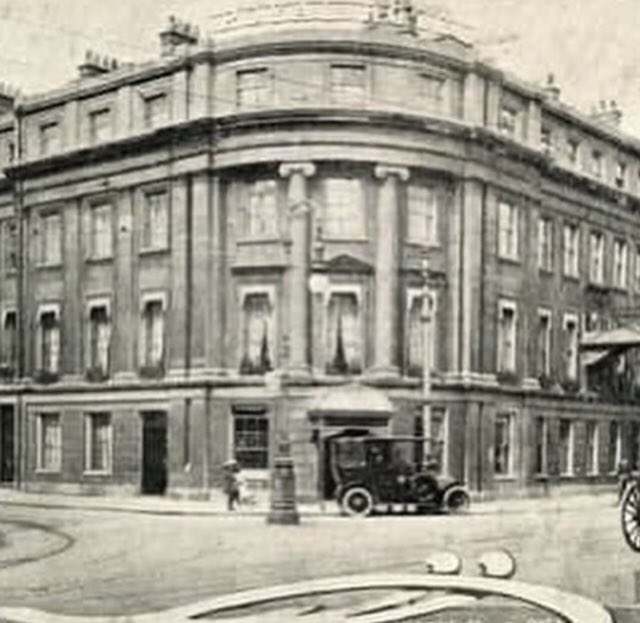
(222, 252)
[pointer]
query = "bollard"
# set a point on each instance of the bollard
(283, 508)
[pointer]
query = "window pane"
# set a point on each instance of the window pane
(261, 209)
(101, 231)
(50, 442)
(50, 347)
(344, 210)
(156, 110)
(100, 125)
(9, 338)
(156, 221)
(51, 238)
(99, 337)
(154, 333)
(258, 334)
(502, 444)
(344, 347)
(422, 215)
(253, 88)
(251, 440)
(98, 442)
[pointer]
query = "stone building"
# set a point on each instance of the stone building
(221, 252)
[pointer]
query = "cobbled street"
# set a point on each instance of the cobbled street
(76, 561)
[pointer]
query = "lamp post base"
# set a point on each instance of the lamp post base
(283, 509)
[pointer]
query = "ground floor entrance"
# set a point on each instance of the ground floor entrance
(154, 452)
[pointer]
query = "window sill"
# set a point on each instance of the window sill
(504, 477)
(105, 259)
(507, 259)
(345, 240)
(429, 244)
(151, 251)
(97, 473)
(568, 476)
(248, 241)
(547, 272)
(45, 471)
(48, 265)
(569, 277)
(541, 476)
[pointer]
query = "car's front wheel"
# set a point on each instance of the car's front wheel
(456, 501)
(357, 502)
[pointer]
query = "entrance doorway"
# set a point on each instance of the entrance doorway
(154, 452)
(7, 444)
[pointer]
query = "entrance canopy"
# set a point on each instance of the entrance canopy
(353, 398)
(623, 337)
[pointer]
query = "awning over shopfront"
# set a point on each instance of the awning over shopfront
(593, 356)
(353, 398)
(620, 338)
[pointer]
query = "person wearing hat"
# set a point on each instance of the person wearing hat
(232, 483)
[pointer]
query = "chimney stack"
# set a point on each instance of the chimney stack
(178, 37)
(400, 14)
(96, 65)
(551, 89)
(607, 113)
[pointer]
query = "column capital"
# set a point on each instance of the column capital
(306, 168)
(383, 171)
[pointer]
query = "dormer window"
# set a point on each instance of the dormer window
(432, 91)
(596, 163)
(348, 84)
(253, 88)
(573, 148)
(156, 110)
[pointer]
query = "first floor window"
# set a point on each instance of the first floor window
(251, 437)
(99, 337)
(565, 447)
(98, 442)
(571, 244)
(507, 230)
(49, 347)
(344, 339)
(155, 222)
(101, 231)
(422, 215)
(507, 338)
(545, 243)
(10, 338)
(614, 449)
(49, 442)
(51, 238)
(544, 342)
(260, 209)
(540, 440)
(502, 444)
(591, 447)
(258, 333)
(153, 333)
(571, 347)
(620, 263)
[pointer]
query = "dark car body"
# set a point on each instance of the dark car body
(392, 473)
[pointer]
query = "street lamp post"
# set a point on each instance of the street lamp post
(426, 318)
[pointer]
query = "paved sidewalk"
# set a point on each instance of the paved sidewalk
(216, 505)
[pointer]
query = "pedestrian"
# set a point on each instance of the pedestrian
(624, 474)
(232, 483)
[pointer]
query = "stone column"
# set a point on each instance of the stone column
(298, 211)
(387, 260)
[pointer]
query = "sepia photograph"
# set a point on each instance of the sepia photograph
(320, 311)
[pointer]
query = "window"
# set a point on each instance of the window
(637, 268)
(100, 231)
(49, 342)
(507, 230)
(508, 121)
(573, 148)
(155, 226)
(614, 451)
(415, 332)
(253, 88)
(260, 209)
(251, 437)
(49, 138)
(348, 84)
(10, 244)
(621, 174)
(10, 338)
(545, 243)
(100, 125)
(596, 163)
(98, 443)
(156, 110)
(51, 238)
(571, 237)
(152, 338)
(422, 217)
(620, 262)
(545, 140)
(502, 459)
(98, 339)
(540, 441)
(591, 447)
(571, 347)
(544, 342)
(431, 91)
(565, 447)
(49, 442)
(506, 337)
(258, 333)
(344, 216)
(596, 257)
(438, 434)
(344, 334)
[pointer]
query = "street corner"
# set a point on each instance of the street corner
(23, 542)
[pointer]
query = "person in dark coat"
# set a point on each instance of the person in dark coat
(231, 483)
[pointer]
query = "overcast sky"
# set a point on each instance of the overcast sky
(592, 46)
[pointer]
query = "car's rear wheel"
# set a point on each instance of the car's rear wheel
(357, 502)
(457, 501)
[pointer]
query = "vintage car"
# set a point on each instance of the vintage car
(390, 474)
